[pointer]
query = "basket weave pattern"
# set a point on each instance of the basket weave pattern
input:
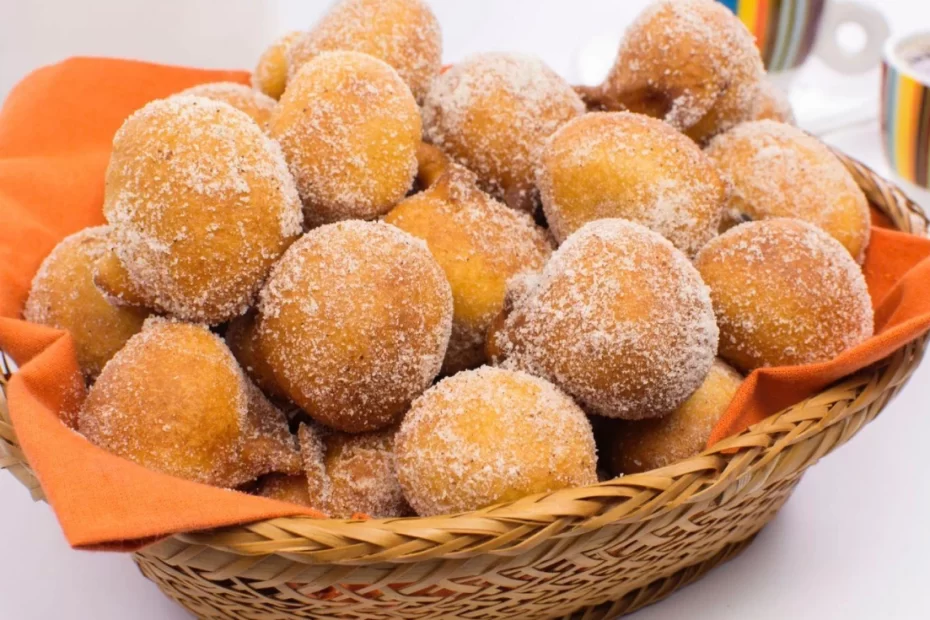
(592, 552)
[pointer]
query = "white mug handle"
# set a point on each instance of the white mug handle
(872, 22)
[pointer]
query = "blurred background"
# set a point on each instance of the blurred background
(826, 555)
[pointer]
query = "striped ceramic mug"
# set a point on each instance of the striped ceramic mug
(788, 31)
(906, 107)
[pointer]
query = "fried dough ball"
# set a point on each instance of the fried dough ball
(493, 113)
(267, 443)
(777, 170)
(286, 488)
(617, 164)
(355, 321)
(691, 63)
(431, 164)
(491, 435)
(270, 75)
(147, 406)
(785, 293)
(194, 189)
(771, 103)
(403, 33)
(637, 446)
(242, 339)
(63, 295)
(480, 244)
(350, 129)
(353, 474)
(619, 319)
(256, 105)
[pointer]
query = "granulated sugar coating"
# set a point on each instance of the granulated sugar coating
(619, 319)
(267, 443)
(785, 293)
(349, 128)
(777, 170)
(63, 295)
(147, 405)
(403, 33)
(491, 435)
(493, 113)
(690, 62)
(618, 164)
(254, 103)
(270, 75)
(355, 321)
(195, 189)
(771, 103)
(358, 473)
(641, 445)
(480, 244)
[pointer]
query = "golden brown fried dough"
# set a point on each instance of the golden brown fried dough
(785, 293)
(63, 295)
(242, 340)
(641, 445)
(493, 113)
(286, 488)
(619, 319)
(147, 405)
(270, 75)
(617, 164)
(353, 473)
(491, 435)
(350, 129)
(691, 63)
(480, 244)
(403, 33)
(255, 104)
(195, 189)
(354, 322)
(777, 170)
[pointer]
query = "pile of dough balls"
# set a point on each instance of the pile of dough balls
(373, 287)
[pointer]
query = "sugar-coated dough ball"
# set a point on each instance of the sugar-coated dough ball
(480, 244)
(691, 63)
(353, 474)
(242, 338)
(196, 190)
(63, 295)
(350, 130)
(403, 33)
(270, 75)
(777, 170)
(491, 435)
(785, 293)
(147, 405)
(267, 443)
(619, 318)
(354, 322)
(493, 113)
(286, 488)
(641, 445)
(618, 164)
(771, 103)
(255, 104)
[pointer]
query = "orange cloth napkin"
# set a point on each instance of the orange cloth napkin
(56, 129)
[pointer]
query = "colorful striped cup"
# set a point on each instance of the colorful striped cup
(906, 107)
(787, 31)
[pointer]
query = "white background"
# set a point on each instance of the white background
(853, 541)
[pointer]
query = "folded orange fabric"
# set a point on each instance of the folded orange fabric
(56, 129)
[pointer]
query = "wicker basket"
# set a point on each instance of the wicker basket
(593, 552)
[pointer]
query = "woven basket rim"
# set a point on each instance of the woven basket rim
(518, 525)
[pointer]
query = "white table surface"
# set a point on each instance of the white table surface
(832, 552)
